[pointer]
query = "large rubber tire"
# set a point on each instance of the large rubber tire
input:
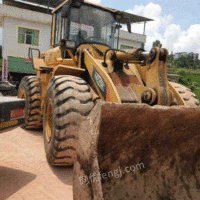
(68, 101)
(186, 93)
(30, 89)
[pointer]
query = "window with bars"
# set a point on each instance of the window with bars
(28, 36)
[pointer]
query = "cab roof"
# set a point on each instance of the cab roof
(124, 16)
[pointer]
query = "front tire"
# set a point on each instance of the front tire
(30, 89)
(68, 101)
(188, 96)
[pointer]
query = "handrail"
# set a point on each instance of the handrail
(30, 53)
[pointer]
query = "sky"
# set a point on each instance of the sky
(176, 22)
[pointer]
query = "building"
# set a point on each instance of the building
(23, 27)
(28, 25)
(195, 56)
(179, 55)
(129, 40)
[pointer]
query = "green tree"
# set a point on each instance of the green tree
(181, 62)
(156, 43)
(185, 62)
(142, 45)
(190, 61)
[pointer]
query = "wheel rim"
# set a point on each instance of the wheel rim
(22, 94)
(49, 120)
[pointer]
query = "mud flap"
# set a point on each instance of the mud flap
(134, 151)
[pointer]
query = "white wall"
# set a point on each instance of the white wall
(134, 44)
(179, 55)
(10, 37)
(28, 15)
(130, 39)
(12, 18)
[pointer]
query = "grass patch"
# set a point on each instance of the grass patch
(175, 70)
(197, 92)
(191, 80)
(188, 77)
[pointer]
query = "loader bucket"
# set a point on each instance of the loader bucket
(134, 151)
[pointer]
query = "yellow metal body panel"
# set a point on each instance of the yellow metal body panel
(110, 90)
(68, 62)
(72, 56)
(151, 77)
(142, 71)
(53, 57)
(48, 120)
(45, 78)
(53, 30)
(68, 70)
(93, 52)
(134, 70)
(179, 99)
(38, 62)
(156, 78)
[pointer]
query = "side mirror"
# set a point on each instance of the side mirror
(118, 26)
(65, 11)
(129, 26)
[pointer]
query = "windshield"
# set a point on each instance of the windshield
(91, 25)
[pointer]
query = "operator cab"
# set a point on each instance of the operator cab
(86, 24)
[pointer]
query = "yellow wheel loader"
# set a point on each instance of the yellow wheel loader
(111, 113)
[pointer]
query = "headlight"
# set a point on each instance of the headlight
(67, 44)
(70, 44)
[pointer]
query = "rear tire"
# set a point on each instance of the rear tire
(188, 96)
(29, 89)
(68, 101)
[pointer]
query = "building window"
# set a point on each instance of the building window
(28, 36)
(126, 47)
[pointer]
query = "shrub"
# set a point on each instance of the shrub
(192, 87)
(182, 72)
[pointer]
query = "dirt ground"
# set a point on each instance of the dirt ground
(24, 171)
